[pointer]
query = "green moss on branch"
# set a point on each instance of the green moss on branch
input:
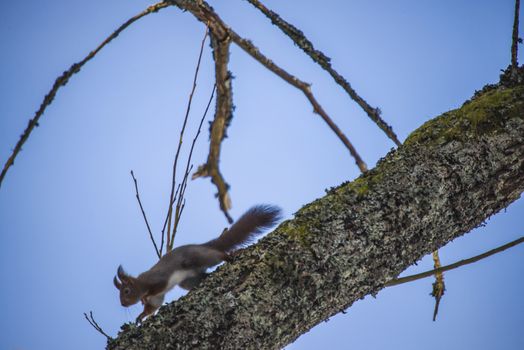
(357, 237)
(486, 113)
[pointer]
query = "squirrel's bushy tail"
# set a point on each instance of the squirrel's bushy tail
(247, 227)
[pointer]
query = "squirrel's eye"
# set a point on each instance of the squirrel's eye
(127, 291)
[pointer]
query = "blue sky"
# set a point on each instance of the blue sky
(68, 216)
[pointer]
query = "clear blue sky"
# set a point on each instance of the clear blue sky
(68, 216)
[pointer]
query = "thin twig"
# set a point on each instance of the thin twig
(95, 325)
(145, 217)
(189, 167)
(187, 170)
(179, 208)
(515, 41)
(182, 186)
(317, 56)
(438, 286)
(166, 219)
(64, 78)
(460, 263)
(205, 13)
(180, 141)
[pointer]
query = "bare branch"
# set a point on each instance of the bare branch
(64, 78)
(223, 115)
(515, 40)
(438, 286)
(165, 221)
(181, 200)
(247, 46)
(172, 197)
(158, 252)
(95, 325)
(205, 14)
(317, 56)
(460, 263)
(187, 172)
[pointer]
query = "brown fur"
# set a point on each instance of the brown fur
(246, 228)
(192, 260)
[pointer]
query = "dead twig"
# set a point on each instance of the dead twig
(181, 201)
(458, 264)
(203, 12)
(186, 174)
(95, 325)
(223, 115)
(438, 286)
(323, 61)
(158, 252)
(172, 196)
(64, 78)
(252, 50)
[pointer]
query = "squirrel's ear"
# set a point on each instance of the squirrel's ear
(122, 274)
(117, 284)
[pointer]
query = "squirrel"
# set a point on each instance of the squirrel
(186, 265)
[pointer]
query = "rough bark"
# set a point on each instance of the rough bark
(450, 175)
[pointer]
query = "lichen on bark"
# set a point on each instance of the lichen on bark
(450, 175)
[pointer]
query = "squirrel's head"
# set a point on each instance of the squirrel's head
(130, 291)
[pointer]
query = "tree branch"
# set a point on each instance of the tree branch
(248, 47)
(515, 40)
(458, 264)
(223, 116)
(254, 52)
(323, 61)
(158, 252)
(182, 186)
(173, 195)
(64, 78)
(181, 201)
(449, 176)
(203, 12)
(95, 325)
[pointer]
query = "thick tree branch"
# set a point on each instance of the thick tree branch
(449, 176)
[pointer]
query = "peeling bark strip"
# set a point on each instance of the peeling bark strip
(449, 176)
